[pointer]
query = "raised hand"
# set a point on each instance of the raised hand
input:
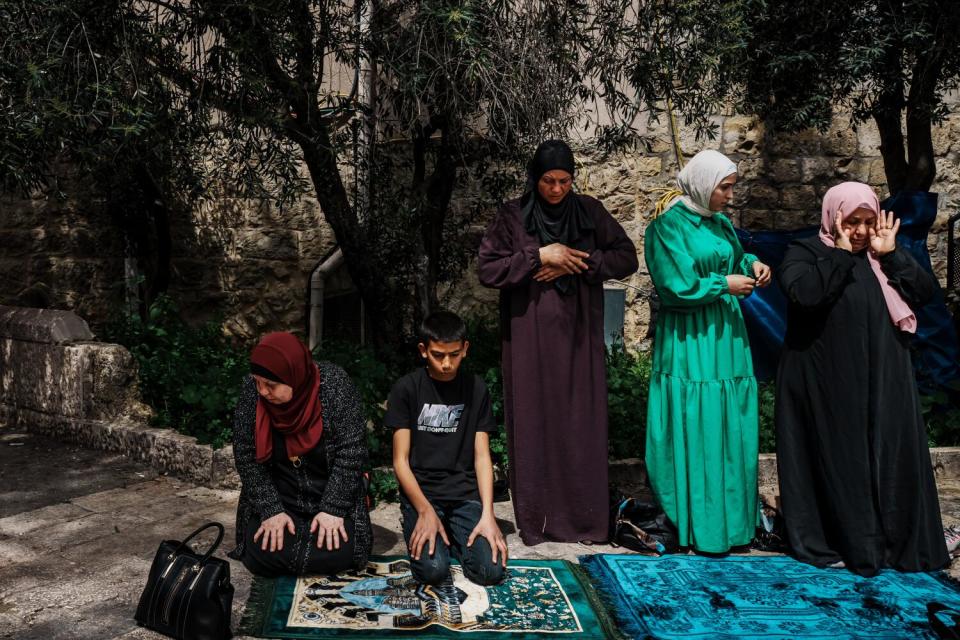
(883, 237)
(841, 239)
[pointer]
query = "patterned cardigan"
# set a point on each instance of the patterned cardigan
(346, 458)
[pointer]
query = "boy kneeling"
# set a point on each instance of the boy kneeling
(441, 456)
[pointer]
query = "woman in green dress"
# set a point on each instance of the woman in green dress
(702, 416)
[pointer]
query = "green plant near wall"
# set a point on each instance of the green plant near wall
(766, 395)
(190, 376)
(373, 375)
(628, 385)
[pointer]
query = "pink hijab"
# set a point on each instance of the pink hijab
(850, 196)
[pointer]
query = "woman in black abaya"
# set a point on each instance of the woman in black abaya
(855, 475)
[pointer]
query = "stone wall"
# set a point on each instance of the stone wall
(251, 263)
(56, 380)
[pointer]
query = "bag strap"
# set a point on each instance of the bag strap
(212, 548)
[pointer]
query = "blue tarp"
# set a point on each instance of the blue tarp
(936, 351)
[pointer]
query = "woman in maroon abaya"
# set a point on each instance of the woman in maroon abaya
(548, 253)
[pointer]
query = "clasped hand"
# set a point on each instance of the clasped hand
(559, 260)
(744, 285)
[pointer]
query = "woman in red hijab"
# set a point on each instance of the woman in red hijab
(298, 442)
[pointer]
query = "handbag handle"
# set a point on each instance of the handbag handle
(212, 548)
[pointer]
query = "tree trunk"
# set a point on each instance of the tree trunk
(155, 260)
(887, 114)
(374, 287)
(921, 102)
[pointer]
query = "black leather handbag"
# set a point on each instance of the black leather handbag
(188, 596)
(642, 526)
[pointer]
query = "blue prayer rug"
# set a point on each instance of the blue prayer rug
(762, 597)
(539, 599)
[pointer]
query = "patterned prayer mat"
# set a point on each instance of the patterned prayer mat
(539, 598)
(762, 597)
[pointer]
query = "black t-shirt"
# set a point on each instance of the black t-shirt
(443, 418)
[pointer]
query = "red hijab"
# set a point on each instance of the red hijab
(300, 420)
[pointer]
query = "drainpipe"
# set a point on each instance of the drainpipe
(317, 280)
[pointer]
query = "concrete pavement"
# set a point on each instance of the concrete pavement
(78, 530)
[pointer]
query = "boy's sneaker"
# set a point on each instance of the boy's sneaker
(951, 536)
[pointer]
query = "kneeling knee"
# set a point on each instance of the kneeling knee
(432, 571)
(486, 574)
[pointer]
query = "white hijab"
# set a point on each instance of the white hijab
(700, 177)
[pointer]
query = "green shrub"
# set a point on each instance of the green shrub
(941, 414)
(190, 376)
(628, 385)
(766, 393)
(383, 486)
(373, 376)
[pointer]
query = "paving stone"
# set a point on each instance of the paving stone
(13, 551)
(50, 516)
(142, 493)
(76, 569)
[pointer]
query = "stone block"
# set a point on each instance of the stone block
(946, 462)
(115, 386)
(784, 170)
(627, 473)
(690, 144)
(763, 195)
(756, 219)
(875, 172)
(316, 242)
(767, 469)
(43, 325)
(269, 244)
(182, 456)
(855, 169)
(649, 166)
(47, 378)
(796, 219)
(22, 242)
(806, 143)
(841, 138)
(816, 168)
(868, 138)
(944, 135)
(224, 470)
(799, 197)
(751, 168)
(742, 134)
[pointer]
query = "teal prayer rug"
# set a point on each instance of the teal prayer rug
(762, 597)
(539, 598)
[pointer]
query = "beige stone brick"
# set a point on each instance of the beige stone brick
(784, 170)
(742, 134)
(816, 168)
(799, 197)
(840, 139)
(868, 138)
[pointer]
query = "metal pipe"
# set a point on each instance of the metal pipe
(317, 283)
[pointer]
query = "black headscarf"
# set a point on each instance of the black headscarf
(566, 222)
